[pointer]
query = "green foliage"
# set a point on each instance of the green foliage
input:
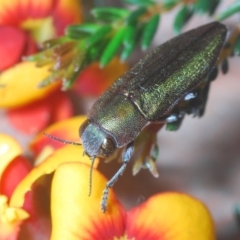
(118, 31)
(181, 18)
(129, 42)
(112, 47)
(237, 46)
(100, 34)
(140, 2)
(149, 31)
(81, 31)
(229, 11)
(109, 14)
(134, 17)
(168, 4)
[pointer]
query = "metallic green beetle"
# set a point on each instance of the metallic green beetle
(148, 92)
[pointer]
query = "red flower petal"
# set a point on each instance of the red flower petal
(94, 80)
(30, 119)
(30, 47)
(90, 81)
(61, 106)
(13, 174)
(13, 41)
(34, 117)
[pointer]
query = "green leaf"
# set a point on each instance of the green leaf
(127, 51)
(237, 46)
(181, 18)
(99, 35)
(213, 6)
(167, 4)
(230, 10)
(130, 35)
(135, 15)
(140, 2)
(83, 30)
(202, 6)
(129, 42)
(149, 31)
(68, 84)
(112, 47)
(109, 13)
(95, 51)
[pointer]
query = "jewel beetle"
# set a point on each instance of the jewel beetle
(148, 92)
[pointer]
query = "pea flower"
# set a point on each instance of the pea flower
(164, 216)
(23, 25)
(51, 201)
(24, 188)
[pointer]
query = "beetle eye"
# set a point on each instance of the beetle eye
(108, 146)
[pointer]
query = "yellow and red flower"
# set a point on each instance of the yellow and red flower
(51, 201)
(23, 25)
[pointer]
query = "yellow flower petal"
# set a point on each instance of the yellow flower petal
(9, 149)
(65, 154)
(75, 215)
(171, 216)
(20, 84)
(10, 219)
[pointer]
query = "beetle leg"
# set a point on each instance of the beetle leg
(174, 117)
(190, 96)
(126, 156)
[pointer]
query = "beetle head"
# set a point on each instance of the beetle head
(96, 142)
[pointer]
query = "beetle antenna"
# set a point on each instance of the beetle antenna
(90, 177)
(61, 140)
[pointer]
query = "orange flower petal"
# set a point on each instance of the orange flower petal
(20, 84)
(75, 215)
(15, 11)
(9, 149)
(66, 129)
(65, 154)
(94, 80)
(170, 216)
